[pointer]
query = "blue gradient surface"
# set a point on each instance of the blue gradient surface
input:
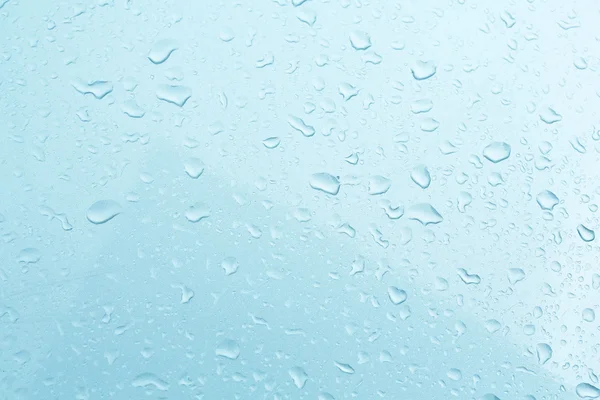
(289, 199)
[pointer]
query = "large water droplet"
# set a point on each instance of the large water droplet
(29, 255)
(588, 315)
(103, 211)
(99, 89)
(547, 200)
(228, 348)
(550, 116)
(586, 234)
(174, 94)
(544, 353)
(420, 175)
(194, 167)
(515, 275)
(197, 212)
(423, 70)
(587, 391)
(497, 151)
(424, 213)
(360, 40)
(161, 50)
(379, 185)
(397, 295)
(230, 265)
(299, 125)
(299, 376)
(325, 182)
(272, 142)
(148, 379)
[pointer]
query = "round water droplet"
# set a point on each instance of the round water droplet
(586, 234)
(588, 315)
(325, 183)
(397, 295)
(420, 175)
(228, 349)
(497, 151)
(103, 211)
(546, 200)
(587, 391)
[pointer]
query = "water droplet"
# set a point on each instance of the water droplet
(464, 199)
(421, 106)
(161, 50)
(230, 265)
(272, 142)
(544, 353)
(299, 125)
(587, 391)
(454, 374)
(588, 315)
(397, 295)
(360, 40)
(546, 200)
(29, 255)
(497, 151)
(325, 182)
(550, 116)
(515, 275)
(492, 325)
(132, 109)
(148, 379)
(347, 90)
(228, 348)
(174, 94)
(345, 368)
(429, 125)
(423, 70)
(420, 175)
(197, 212)
(490, 396)
(103, 211)
(586, 234)
(194, 167)
(299, 376)
(379, 185)
(469, 279)
(226, 34)
(99, 89)
(424, 213)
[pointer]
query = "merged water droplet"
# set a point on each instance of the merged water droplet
(423, 70)
(103, 211)
(397, 295)
(546, 200)
(497, 151)
(299, 125)
(587, 391)
(161, 50)
(174, 94)
(325, 183)
(424, 213)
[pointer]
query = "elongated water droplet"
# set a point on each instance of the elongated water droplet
(272, 142)
(424, 213)
(148, 379)
(103, 211)
(587, 391)
(299, 125)
(174, 94)
(586, 234)
(550, 116)
(345, 368)
(325, 183)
